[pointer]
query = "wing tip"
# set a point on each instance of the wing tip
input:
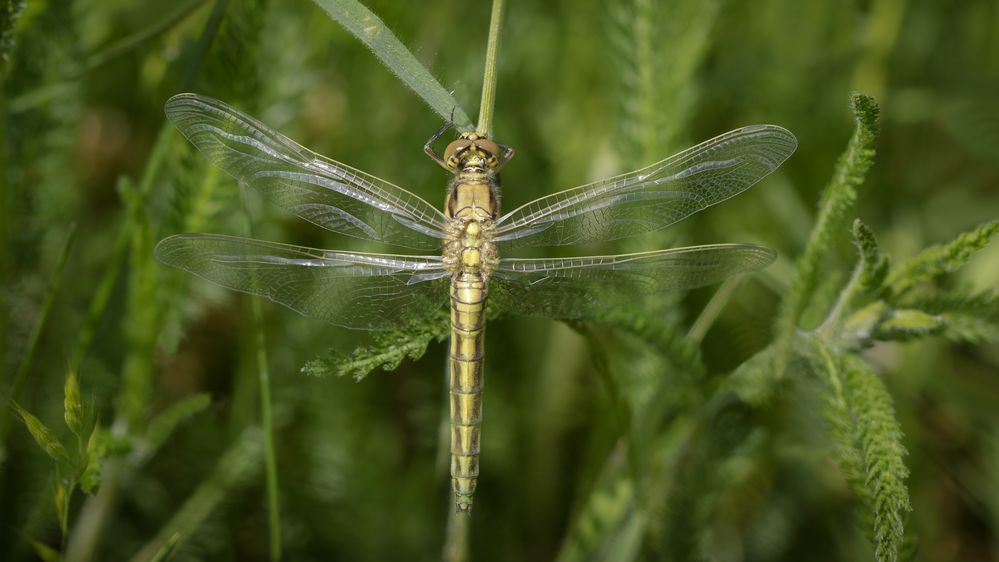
(787, 136)
(178, 101)
(166, 247)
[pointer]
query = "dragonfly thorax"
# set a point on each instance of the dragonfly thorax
(471, 250)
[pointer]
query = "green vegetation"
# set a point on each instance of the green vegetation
(840, 405)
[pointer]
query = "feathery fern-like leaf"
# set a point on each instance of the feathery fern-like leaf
(387, 352)
(968, 318)
(906, 324)
(837, 198)
(880, 440)
(874, 265)
(861, 420)
(937, 260)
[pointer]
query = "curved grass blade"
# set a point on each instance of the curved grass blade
(372, 31)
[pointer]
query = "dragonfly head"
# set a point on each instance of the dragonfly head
(472, 151)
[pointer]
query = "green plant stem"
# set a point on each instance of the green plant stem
(14, 392)
(121, 245)
(845, 296)
(165, 551)
(45, 94)
(456, 543)
(713, 309)
(134, 40)
(489, 74)
(266, 420)
(266, 417)
(235, 469)
(5, 226)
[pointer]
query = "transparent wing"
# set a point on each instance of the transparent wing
(572, 288)
(321, 191)
(359, 291)
(653, 197)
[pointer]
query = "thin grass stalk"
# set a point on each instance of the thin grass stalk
(134, 40)
(5, 220)
(235, 469)
(266, 420)
(490, 71)
(39, 96)
(456, 543)
(266, 416)
(121, 245)
(14, 392)
(714, 307)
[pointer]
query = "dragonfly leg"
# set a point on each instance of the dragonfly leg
(429, 149)
(508, 153)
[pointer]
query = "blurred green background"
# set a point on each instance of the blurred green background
(586, 89)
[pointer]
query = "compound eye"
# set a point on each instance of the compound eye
(455, 147)
(489, 146)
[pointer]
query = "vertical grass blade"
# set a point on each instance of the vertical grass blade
(456, 543)
(24, 367)
(266, 416)
(134, 40)
(714, 307)
(372, 31)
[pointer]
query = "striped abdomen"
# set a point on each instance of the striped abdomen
(468, 302)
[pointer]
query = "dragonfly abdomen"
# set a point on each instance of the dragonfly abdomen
(468, 301)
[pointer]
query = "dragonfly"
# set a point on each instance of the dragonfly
(461, 244)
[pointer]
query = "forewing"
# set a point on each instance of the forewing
(359, 291)
(322, 191)
(653, 197)
(588, 287)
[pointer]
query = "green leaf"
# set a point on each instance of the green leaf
(937, 260)
(906, 323)
(880, 439)
(72, 405)
(862, 324)
(236, 469)
(167, 550)
(837, 198)
(43, 436)
(96, 452)
(386, 353)
(861, 420)
(162, 426)
(61, 496)
(874, 266)
(753, 380)
(967, 318)
(372, 31)
(682, 351)
(45, 552)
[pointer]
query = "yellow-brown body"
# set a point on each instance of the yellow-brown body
(472, 206)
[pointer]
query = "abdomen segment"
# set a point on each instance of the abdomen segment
(468, 300)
